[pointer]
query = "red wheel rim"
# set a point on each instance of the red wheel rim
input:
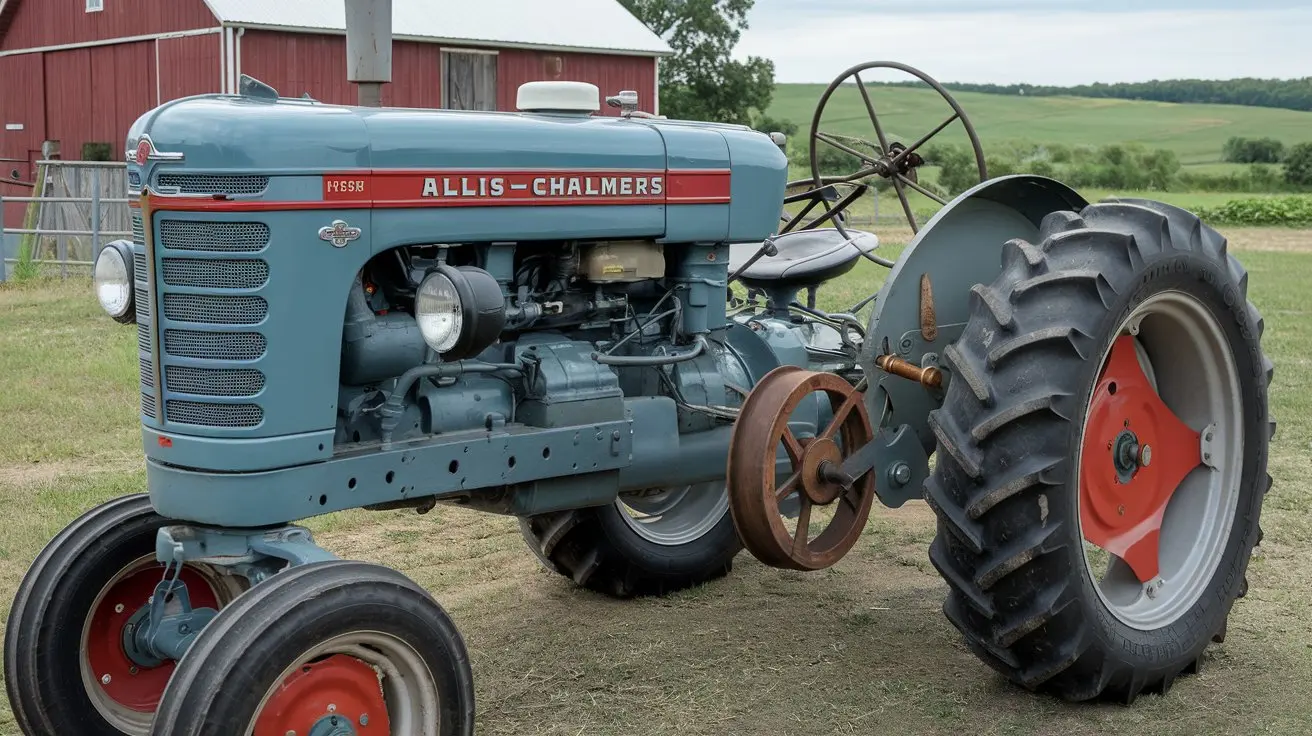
(125, 682)
(338, 686)
(1136, 452)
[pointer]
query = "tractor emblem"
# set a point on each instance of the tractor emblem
(339, 233)
(144, 150)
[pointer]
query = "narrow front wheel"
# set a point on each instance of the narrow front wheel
(325, 648)
(70, 668)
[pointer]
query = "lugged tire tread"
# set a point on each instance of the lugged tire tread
(996, 547)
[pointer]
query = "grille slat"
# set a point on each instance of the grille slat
(141, 276)
(216, 310)
(214, 183)
(213, 237)
(228, 382)
(214, 345)
(231, 416)
(214, 274)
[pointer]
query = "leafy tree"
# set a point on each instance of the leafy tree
(702, 81)
(767, 124)
(1253, 151)
(1298, 165)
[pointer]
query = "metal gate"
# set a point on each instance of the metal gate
(76, 207)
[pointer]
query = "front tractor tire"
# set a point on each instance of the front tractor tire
(1102, 453)
(641, 545)
(67, 671)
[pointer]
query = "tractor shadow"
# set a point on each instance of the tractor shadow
(859, 648)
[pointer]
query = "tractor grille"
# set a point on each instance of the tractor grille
(214, 345)
(207, 379)
(204, 414)
(211, 274)
(213, 237)
(218, 310)
(214, 381)
(213, 183)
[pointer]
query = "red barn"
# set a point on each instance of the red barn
(80, 71)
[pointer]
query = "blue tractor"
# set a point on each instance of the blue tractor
(534, 314)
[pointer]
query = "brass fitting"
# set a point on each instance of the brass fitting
(931, 376)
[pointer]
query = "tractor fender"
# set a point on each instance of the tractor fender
(924, 303)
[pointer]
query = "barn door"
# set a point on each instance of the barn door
(469, 80)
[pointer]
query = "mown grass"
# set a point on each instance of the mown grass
(861, 648)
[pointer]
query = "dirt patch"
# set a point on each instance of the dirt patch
(1269, 239)
(46, 472)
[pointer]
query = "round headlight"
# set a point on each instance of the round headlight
(113, 281)
(460, 311)
(438, 312)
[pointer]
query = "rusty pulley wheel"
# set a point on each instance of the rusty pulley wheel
(814, 482)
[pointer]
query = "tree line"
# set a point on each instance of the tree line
(1285, 94)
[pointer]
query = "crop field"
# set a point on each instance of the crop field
(1196, 133)
(861, 648)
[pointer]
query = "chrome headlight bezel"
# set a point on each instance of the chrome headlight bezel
(113, 270)
(477, 303)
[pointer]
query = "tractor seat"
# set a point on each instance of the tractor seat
(804, 258)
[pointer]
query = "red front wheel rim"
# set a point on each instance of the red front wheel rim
(125, 692)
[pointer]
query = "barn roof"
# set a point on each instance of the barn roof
(583, 25)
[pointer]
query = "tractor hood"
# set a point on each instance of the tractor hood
(722, 182)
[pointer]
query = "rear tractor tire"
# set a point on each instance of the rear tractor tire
(1102, 453)
(644, 545)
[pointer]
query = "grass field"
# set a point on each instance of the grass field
(859, 649)
(1195, 132)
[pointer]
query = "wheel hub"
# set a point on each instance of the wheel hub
(126, 676)
(339, 695)
(1151, 451)
(1128, 455)
(821, 455)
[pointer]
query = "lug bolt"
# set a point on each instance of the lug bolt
(290, 733)
(1120, 510)
(332, 707)
(133, 670)
(105, 679)
(901, 474)
(118, 608)
(364, 719)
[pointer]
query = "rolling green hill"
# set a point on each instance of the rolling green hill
(1195, 132)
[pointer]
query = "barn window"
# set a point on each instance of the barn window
(95, 6)
(469, 80)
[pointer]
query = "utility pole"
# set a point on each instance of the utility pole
(369, 48)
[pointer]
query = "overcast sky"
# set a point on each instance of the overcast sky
(1039, 41)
